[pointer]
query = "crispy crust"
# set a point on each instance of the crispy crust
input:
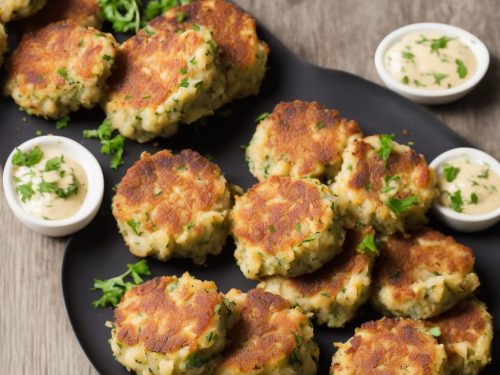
(234, 30)
(164, 319)
(387, 346)
(371, 169)
(308, 135)
(150, 180)
(403, 257)
(80, 12)
(268, 213)
(148, 67)
(265, 332)
(40, 54)
(331, 277)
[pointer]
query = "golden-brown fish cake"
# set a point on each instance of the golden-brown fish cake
(173, 206)
(422, 274)
(335, 291)
(390, 347)
(12, 9)
(162, 78)
(267, 336)
(384, 184)
(82, 12)
(285, 226)
(243, 55)
(3, 42)
(170, 325)
(300, 139)
(59, 68)
(466, 332)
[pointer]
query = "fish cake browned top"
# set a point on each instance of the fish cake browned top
(466, 322)
(268, 213)
(264, 332)
(234, 30)
(166, 314)
(172, 187)
(331, 277)
(148, 68)
(309, 133)
(387, 346)
(38, 59)
(404, 257)
(81, 12)
(370, 169)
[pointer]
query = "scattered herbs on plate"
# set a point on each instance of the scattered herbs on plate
(113, 289)
(109, 145)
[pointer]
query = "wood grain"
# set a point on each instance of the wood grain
(36, 337)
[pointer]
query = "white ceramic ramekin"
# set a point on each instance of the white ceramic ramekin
(423, 96)
(460, 221)
(91, 203)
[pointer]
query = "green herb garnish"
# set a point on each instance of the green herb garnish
(461, 68)
(113, 289)
(408, 56)
(456, 201)
(156, 7)
(63, 73)
(435, 331)
(54, 164)
(385, 146)
(124, 15)
(271, 228)
(62, 123)
(450, 172)
(435, 44)
(438, 77)
(473, 198)
(135, 226)
(25, 191)
(320, 125)
(109, 146)
(399, 206)
(184, 83)
(368, 245)
(262, 116)
(405, 80)
(27, 159)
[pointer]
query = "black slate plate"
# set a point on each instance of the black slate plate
(99, 251)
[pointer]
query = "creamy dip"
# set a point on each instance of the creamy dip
(469, 187)
(430, 61)
(49, 184)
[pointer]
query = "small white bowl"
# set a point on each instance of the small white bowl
(438, 96)
(460, 221)
(91, 203)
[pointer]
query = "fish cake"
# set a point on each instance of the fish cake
(162, 78)
(170, 325)
(466, 332)
(285, 226)
(81, 12)
(335, 291)
(12, 9)
(173, 206)
(300, 139)
(422, 274)
(267, 336)
(390, 346)
(243, 56)
(383, 184)
(60, 68)
(3, 43)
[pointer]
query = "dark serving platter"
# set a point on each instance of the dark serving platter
(99, 251)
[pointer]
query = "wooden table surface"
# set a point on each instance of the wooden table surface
(35, 335)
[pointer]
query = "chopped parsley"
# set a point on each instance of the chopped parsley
(194, 361)
(388, 180)
(271, 228)
(124, 15)
(405, 80)
(320, 125)
(435, 331)
(180, 17)
(63, 73)
(438, 77)
(385, 146)
(157, 7)
(109, 145)
(456, 201)
(27, 159)
(184, 83)
(461, 68)
(113, 289)
(473, 198)
(368, 245)
(399, 206)
(450, 172)
(62, 123)
(262, 116)
(484, 174)
(408, 56)
(135, 226)
(25, 191)
(435, 44)
(54, 164)
(196, 27)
